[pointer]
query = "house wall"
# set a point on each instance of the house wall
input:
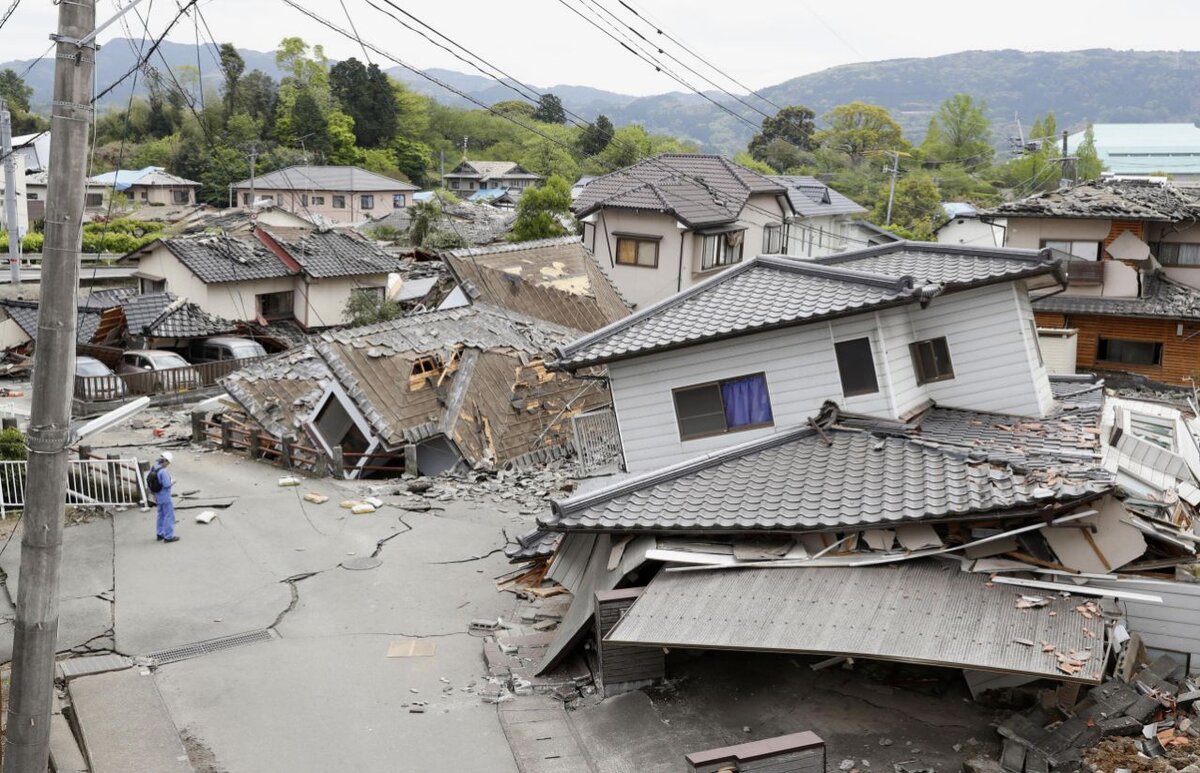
(987, 329)
(326, 298)
(1180, 357)
(816, 237)
(679, 251)
(159, 195)
(292, 201)
(1178, 233)
(1120, 280)
(1170, 627)
(179, 280)
(11, 334)
(971, 230)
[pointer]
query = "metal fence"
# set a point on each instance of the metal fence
(104, 482)
(156, 382)
(597, 439)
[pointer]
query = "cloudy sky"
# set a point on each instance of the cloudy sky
(757, 42)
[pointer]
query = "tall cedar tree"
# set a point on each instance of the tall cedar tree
(550, 110)
(232, 66)
(595, 138)
(794, 125)
(366, 95)
(309, 125)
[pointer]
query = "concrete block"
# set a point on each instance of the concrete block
(1119, 726)
(1143, 708)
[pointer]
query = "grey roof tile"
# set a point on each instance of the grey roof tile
(222, 258)
(25, 314)
(698, 189)
(1162, 298)
(325, 254)
(812, 198)
(279, 391)
(326, 178)
(1130, 199)
(162, 315)
(769, 292)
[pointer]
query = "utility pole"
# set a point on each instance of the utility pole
(892, 193)
(10, 194)
(465, 140)
(1068, 164)
(36, 627)
(253, 169)
(442, 166)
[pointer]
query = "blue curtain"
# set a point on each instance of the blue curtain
(746, 401)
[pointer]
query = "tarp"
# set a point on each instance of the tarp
(920, 612)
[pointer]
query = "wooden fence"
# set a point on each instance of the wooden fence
(156, 382)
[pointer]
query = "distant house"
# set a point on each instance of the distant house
(1132, 251)
(34, 149)
(152, 185)
(37, 185)
(964, 226)
(340, 194)
(669, 222)
(471, 176)
(1140, 149)
(267, 274)
(824, 219)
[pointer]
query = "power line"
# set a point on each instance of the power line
(8, 14)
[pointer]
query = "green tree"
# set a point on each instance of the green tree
(364, 308)
(232, 67)
(413, 159)
(341, 149)
(541, 210)
(595, 137)
(259, 94)
(366, 95)
(859, 130)
(917, 206)
(1087, 161)
(14, 91)
(516, 108)
(960, 133)
(550, 110)
(792, 126)
(424, 218)
(308, 125)
(750, 162)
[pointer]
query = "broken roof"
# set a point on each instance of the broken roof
(1162, 298)
(812, 198)
(917, 612)
(278, 391)
(556, 280)
(772, 292)
(25, 314)
(487, 170)
(325, 254)
(697, 189)
(325, 178)
(1128, 199)
(163, 315)
(222, 258)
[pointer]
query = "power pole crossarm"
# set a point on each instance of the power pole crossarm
(36, 628)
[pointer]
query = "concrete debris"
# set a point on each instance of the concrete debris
(315, 498)
(289, 480)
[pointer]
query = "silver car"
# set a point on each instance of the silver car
(95, 381)
(155, 371)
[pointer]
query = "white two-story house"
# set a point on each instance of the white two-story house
(672, 221)
(886, 332)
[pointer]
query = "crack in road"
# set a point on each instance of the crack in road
(379, 545)
(467, 560)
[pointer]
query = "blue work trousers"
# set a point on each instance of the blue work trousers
(166, 516)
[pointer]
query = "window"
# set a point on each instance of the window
(246, 200)
(304, 199)
(931, 360)
(318, 201)
(181, 196)
(90, 199)
(1129, 352)
(145, 195)
(1037, 341)
(723, 249)
(774, 238)
(454, 185)
(1178, 254)
(638, 251)
(275, 305)
(375, 293)
(34, 196)
(1084, 250)
(397, 201)
(339, 202)
(367, 202)
(856, 364)
(154, 285)
(731, 405)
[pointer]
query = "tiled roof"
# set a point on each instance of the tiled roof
(698, 189)
(25, 314)
(225, 258)
(812, 198)
(1126, 199)
(948, 265)
(162, 315)
(803, 480)
(325, 254)
(123, 179)
(1161, 298)
(277, 392)
(326, 178)
(556, 280)
(107, 299)
(490, 169)
(770, 292)
(478, 326)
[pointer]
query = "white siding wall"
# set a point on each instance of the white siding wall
(987, 329)
(1172, 626)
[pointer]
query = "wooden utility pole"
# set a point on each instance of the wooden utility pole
(892, 193)
(36, 627)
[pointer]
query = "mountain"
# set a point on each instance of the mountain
(1097, 85)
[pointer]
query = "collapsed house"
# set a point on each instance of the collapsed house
(866, 458)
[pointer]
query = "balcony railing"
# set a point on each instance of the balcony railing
(1084, 272)
(155, 382)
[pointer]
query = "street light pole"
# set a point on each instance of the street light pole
(36, 627)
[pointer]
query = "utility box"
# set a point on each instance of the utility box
(623, 667)
(795, 753)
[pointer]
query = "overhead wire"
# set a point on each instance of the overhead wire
(8, 14)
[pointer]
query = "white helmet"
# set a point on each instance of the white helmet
(167, 457)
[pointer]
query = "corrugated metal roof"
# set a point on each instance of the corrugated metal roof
(769, 292)
(351, 179)
(918, 612)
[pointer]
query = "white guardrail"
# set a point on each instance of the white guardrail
(100, 482)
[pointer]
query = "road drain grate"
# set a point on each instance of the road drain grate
(188, 651)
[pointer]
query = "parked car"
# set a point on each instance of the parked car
(225, 348)
(100, 382)
(152, 371)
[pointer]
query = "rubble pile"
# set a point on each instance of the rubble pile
(1147, 723)
(528, 488)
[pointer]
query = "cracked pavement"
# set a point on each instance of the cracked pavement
(322, 695)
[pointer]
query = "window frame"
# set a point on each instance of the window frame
(1174, 261)
(366, 201)
(914, 350)
(842, 373)
(1098, 243)
(675, 392)
(1103, 344)
(723, 260)
(378, 293)
(89, 199)
(781, 229)
(180, 197)
(291, 305)
(317, 201)
(339, 201)
(399, 201)
(638, 240)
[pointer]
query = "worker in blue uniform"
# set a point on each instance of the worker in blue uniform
(162, 497)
